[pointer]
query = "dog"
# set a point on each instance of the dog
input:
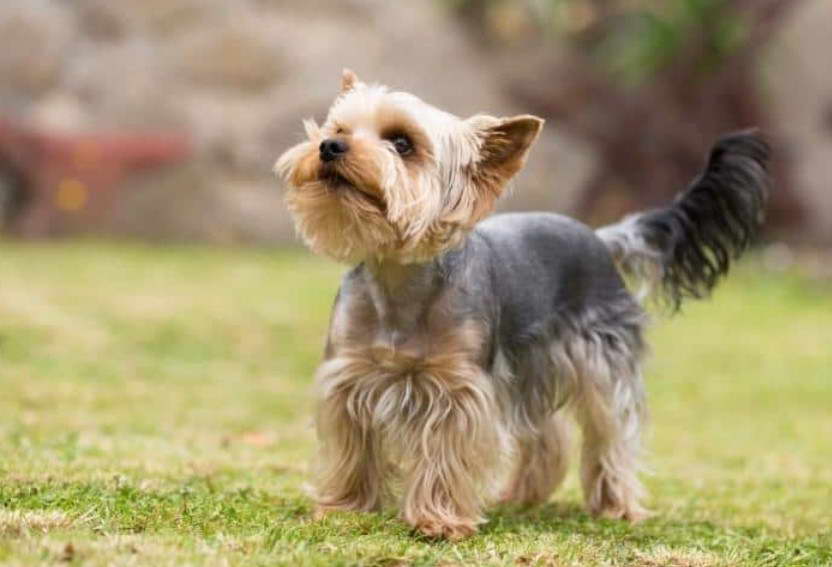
(459, 346)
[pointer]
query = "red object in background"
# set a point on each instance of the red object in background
(54, 182)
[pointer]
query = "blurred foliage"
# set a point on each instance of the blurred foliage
(632, 40)
(647, 40)
(680, 72)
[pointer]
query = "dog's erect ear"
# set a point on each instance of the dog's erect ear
(349, 80)
(500, 152)
(505, 143)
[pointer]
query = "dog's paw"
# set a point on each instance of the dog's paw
(521, 497)
(632, 513)
(455, 531)
(321, 512)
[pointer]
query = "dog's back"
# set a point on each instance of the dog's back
(549, 270)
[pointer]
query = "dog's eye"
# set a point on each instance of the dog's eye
(402, 144)
(339, 130)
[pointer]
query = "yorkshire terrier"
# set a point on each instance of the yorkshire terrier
(458, 346)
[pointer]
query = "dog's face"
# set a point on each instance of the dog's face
(390, 176)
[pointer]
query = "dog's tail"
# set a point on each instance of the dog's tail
(683, 250)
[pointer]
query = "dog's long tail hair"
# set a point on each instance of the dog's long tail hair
(682, 251)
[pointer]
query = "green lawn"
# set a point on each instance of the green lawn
(155, 403)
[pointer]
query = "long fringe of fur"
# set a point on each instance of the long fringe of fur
(542, 460)
(593, 367)
(688, 247)
(436, 429)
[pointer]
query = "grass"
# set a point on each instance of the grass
(155, 409)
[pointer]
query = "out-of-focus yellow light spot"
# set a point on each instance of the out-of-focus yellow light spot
(72, 195)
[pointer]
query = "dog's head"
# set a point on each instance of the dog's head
(390, 176)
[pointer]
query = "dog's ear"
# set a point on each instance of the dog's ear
(499, 150)
(349, 80)
(505, 144)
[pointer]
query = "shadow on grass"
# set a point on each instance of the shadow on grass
(570, 519)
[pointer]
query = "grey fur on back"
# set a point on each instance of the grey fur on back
(560, 296)
(546, 267)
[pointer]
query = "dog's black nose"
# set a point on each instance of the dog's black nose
(333, 149)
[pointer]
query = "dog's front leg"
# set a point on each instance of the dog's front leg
(453, 453)
(350, 467)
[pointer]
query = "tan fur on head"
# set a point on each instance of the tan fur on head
(348, 80)
(374, 202)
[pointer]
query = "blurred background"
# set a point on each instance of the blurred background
(161, 119)
(160, 326)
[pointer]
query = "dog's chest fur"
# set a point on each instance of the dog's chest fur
(402, 318)
(397, 351)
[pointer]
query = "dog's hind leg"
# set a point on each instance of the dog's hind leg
(610, 408)
(542, 461)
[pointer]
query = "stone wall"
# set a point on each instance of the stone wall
(798, 78)
(239, 76)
